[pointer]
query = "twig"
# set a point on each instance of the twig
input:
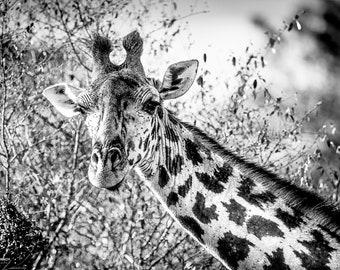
(176, 19)
(4, 102)
(69, 37)
(33, 145)
(82, 18)
(154, 231)
(298, 124)
(76, 147)
(168, 252)
(161, 240)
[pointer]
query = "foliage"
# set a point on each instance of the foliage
(44, 157)
(20, 239)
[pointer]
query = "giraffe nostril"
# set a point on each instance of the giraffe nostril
(94, 158)
(115, 156)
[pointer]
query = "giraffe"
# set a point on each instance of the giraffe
(244, 215)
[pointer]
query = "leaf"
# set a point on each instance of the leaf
(200, 81)
(171, 22)
(262, 62)
(272, 42)
(290, 27)
(255, 84)
(176, 32)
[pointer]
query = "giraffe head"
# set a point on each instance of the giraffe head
(122, 107)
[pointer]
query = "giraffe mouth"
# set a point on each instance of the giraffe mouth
(116, 186)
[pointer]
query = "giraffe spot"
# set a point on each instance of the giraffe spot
(135, 160)
(261, 227)
(170, 134)
(154, 130)
(209, 182)
(291, 221)
(222, 174)
(192, 226)
(319, 252)
(140, 143)
(233, 249)
(172, 199)
(146, 143)
(236, 211)
(163, 177)
(203, 214)
(160, 112)
(192, 152)
(174, 165)
(276, 260)
(213, 183)
(331, 233)
(131, 145)
(184, 189)
(245, 191)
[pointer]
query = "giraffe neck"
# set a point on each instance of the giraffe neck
(243, 215)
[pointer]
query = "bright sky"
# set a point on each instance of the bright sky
(227, 25)
(224, 30)
(227, 29)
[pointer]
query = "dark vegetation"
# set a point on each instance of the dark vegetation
(50, 216)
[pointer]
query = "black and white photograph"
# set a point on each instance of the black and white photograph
(178, 134)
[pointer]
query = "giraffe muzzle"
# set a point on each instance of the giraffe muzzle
(107, 166)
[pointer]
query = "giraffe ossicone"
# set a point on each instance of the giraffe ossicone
(244, 215)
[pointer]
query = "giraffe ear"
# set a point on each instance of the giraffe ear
(178, 78)
(64, 98)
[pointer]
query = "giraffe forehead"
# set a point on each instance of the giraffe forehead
(112, 91)
(122, 85)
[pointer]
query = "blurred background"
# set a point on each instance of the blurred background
(267, 88)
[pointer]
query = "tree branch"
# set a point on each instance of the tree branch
(69, 37)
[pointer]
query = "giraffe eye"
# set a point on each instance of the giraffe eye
(150, 106)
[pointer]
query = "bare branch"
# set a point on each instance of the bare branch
(69, 37)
